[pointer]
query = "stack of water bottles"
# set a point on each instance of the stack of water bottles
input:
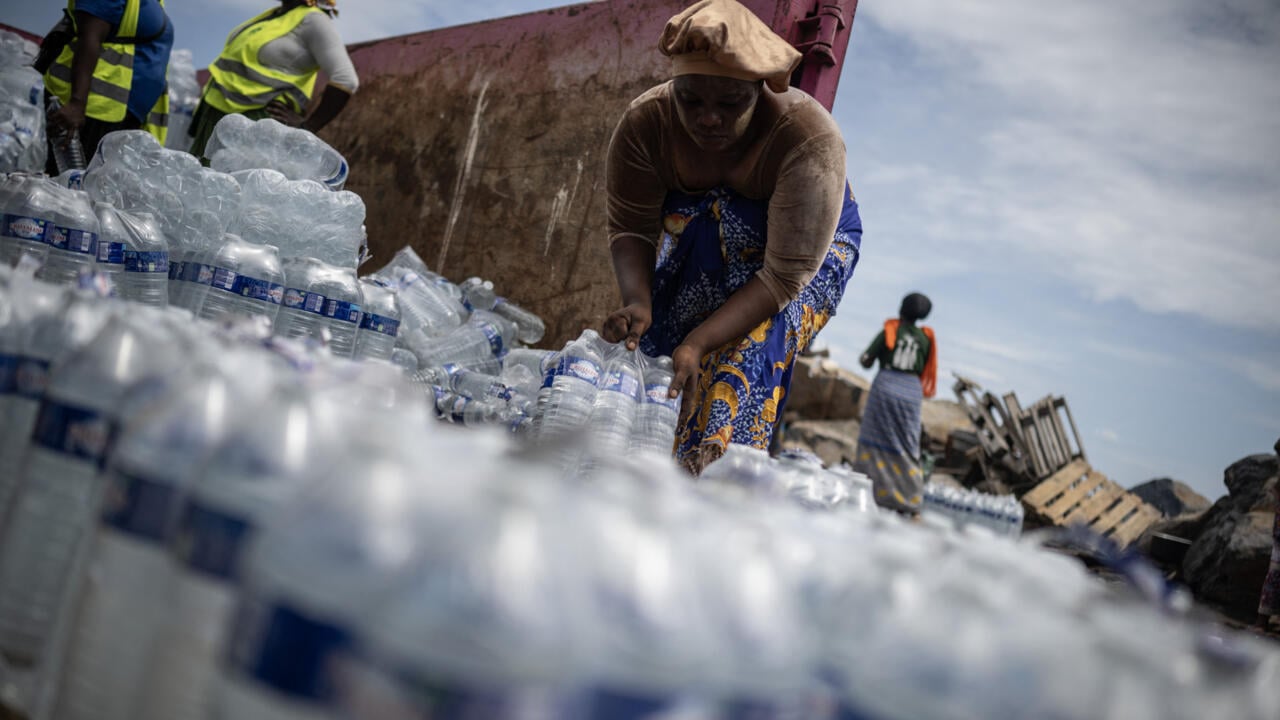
(22, 123)
(239, 143)
(184, 95)
(251, 243)
(65, 233)
(1001, 514)
(210, 522)
(795, 474)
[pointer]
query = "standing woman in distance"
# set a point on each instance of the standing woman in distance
(889, 441)
(269, 66)
(731, 224)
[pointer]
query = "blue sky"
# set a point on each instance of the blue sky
(1089, 191)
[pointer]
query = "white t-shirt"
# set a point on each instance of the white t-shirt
(314, 43)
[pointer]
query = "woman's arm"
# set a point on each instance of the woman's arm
(873, 351)
(635, 195)
(633, 261)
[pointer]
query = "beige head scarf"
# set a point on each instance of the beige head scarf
(723, 38)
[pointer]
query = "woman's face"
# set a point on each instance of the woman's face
(715, 111)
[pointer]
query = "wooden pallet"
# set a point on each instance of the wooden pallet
(1079, 495)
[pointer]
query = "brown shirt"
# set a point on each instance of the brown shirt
(796, 161)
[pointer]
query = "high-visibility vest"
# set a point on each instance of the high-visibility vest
(239, 82)
(112, 76)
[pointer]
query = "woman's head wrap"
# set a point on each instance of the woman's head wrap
(723, 38)
(915, 307)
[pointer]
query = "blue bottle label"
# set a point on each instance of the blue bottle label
(224, 279)
(211, 541)
(26, 228)
(379, 324)
(494, 337)
(249, 287)
(30, 378)
(111, 253)
(72, 430)
(73, 240)
(621, 382)
(606, 704)
(342, 311)
(9, 374)
(175, 269)
(657, 394)
(141, 508)
(151, 261)
(576, 367)
(198, 273)
(292, 652)
(303, 300)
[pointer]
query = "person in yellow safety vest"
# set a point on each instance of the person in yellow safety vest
(110, 73)
(268, 69)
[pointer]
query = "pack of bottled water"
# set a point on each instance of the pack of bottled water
(22, 117)
(210, 521)
(239, 143)
(184, 95)
(1001, 514)
(66, 232)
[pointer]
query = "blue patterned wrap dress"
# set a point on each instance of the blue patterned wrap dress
(712, 244)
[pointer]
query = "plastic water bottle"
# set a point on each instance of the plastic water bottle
(27, 218)
(478, 294)
(73, 238)
(379, 322)
(302, 311)
(191, 274)
(614, 409)
(132, 580)
(50, 324)
(404, 359)
(423, 305)
(343, 308)
(529, 327)
(569, 389)
(319, 568)
(146, 261)
(495, 643)
(112, 241)
(256, 468)
(657, 415)
(68, 152)
(484, 337)
(247, 280)
(59, 488)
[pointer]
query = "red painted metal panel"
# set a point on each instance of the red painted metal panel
(483, 145)
(19, 31)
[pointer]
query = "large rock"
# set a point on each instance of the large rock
(940, 418)
(1171, 497)
(834, 441)
(1227, 562)
(822, 390)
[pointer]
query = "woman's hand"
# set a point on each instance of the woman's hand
(628, 324)
(69, 117)
(687, 362)
(284, 114)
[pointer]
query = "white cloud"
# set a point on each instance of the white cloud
(1265, 375)
(1109, 435)
(1137, 153)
